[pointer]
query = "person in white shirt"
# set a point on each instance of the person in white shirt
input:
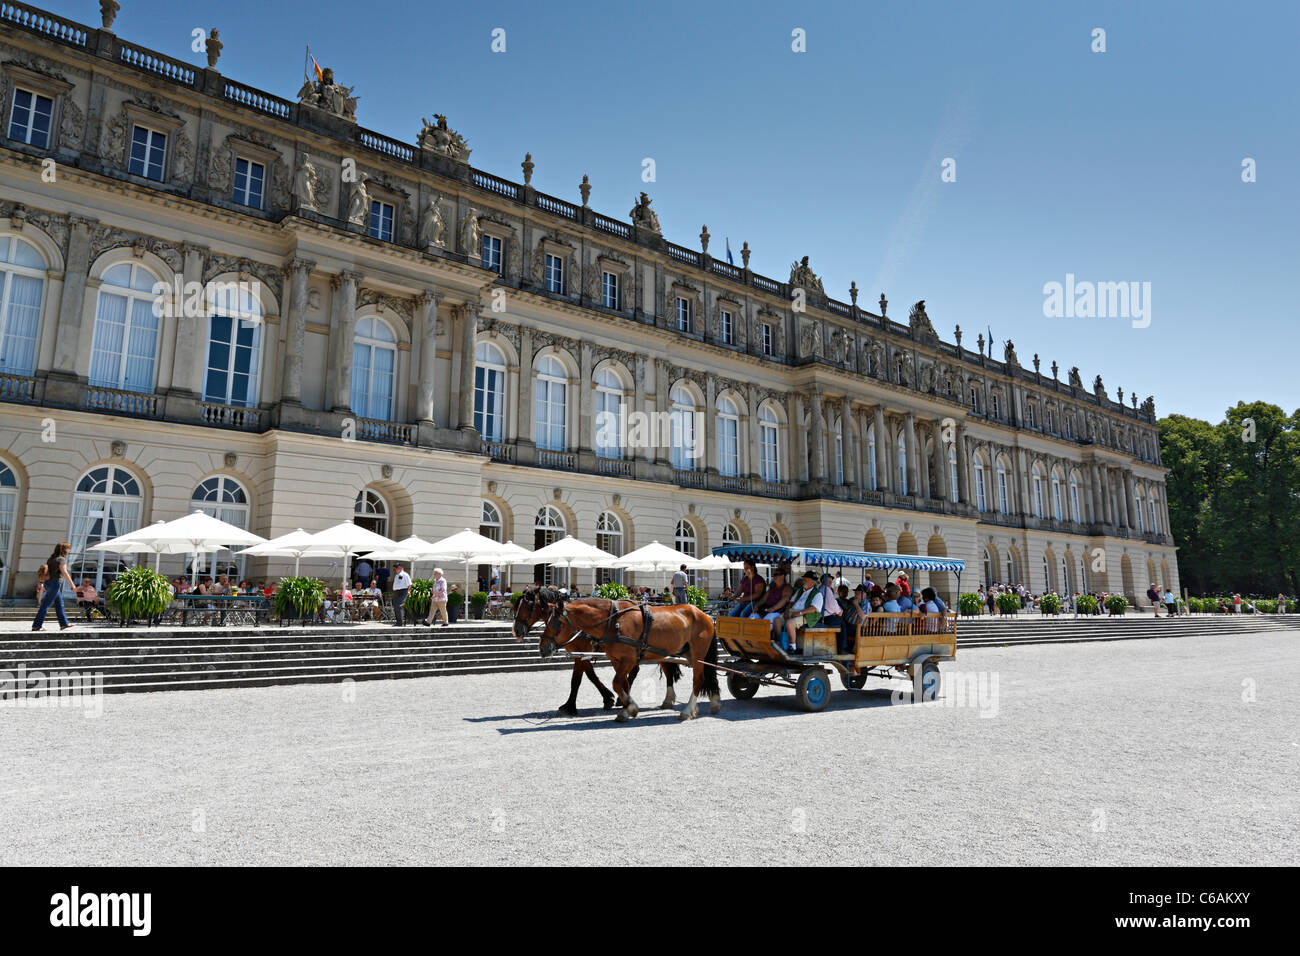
(401, 584)
(805, 610)
(680, 581)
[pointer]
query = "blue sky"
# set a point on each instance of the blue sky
(1115, 166)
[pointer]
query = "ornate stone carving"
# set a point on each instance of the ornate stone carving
(810, 339)
(643, 217)
(433, 228)
(55, 226)
(439, 138)
(1076, 381)
(841, 347)
(108, 12)
(325, 94)
(72, 125)
(1149, 406)
(104, 238)
(221, 171)
(802, 277)
(1009, 355)
(1098, 388)
(269, 275)
(310, 190)
(183, 158)
(358, 213)
(392, 303)
(919, 321)
(469, 236)
(213, 48)
(229, 459)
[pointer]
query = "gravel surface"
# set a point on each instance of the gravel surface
(1143, 752)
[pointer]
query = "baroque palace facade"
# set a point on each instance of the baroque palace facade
(385, 332)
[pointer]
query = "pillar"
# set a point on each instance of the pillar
(428, 355)
(296, 332)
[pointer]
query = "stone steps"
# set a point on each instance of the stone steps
(144, 659)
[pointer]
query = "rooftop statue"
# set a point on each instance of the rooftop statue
(920, 322)
(1076, 380)
(643, 217)
(325, 94)
(802, 277)
(441, 139)
(1009, 354)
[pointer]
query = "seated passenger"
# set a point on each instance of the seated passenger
(752, 588)
(930, 606)
(775, 600)
(805, 611)
(854, 611)
(891, 605)
(831, 607)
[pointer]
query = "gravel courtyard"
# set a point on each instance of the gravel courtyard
(1180, 751)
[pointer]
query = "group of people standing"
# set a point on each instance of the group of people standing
(824, 601)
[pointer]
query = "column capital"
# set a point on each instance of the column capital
(298, 264)
(427, 296)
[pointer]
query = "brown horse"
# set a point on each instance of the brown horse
(616, 627)
(582, 667)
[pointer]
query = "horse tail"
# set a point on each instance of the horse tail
(672, 673)
(709, 680)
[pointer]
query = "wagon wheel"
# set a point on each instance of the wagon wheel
(930, 680)
(852, 681)
(814, 689)
(742, 686)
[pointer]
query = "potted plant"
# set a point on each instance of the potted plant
(298, 597)
(697, 596)
(1087, 604)
(613, 591)
(970, 605)
(454, 602)
(477, 602)
(1008, 603)
(418, 598)
(1116, 604)
(1050, 604)
(515, 599)
(140, 592)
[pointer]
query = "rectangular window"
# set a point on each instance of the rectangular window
(974, 399)
(148, 153)
(381, 220)
(683, 314)
(492, 254)
(728, 330)
(609, 290)
(29, 122)
(555, 275)
(997, 406)
(767, 339)
(1048, 421)
(728, 446)
(769, 456)
(233, 346)
(250, 180)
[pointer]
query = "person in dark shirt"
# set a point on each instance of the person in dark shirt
(381, 576)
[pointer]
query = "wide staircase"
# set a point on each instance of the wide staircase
(144, 659)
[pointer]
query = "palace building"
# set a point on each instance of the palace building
(214, 297)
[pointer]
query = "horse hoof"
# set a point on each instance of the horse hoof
(686, 715)
(668, 703)
(567, 710)
(632, 710)
(715, 706)
(622, 717)
(610, 702)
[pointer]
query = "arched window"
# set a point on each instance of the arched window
(489, 523)
(548, 527)
(988, 569)
(1137, 511)
(124, 347)
(223, 498)
(873, 483)
(1040, 507)
(684, 541)
(609, 537)
(839, 451)
(1151, 504)
(551, 408)
(1047, 573)
(902, 462)
(981, 485)
(106, 504)
(1004, 488)
(374, 369)
(609, 414)
(370, 511)
(953, 486)
(234, 348)
(1075, 515)
(683, 428)
(1058, 510)
(1011, 576)
(769, 444)
(728, 437)
(489, 391)
(772, 537)
(1067, 576)
(730, 535)
(8, 509)
(22, 289)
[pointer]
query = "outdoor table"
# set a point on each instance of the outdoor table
(245, 608)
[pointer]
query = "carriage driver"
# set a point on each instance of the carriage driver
(805, 610)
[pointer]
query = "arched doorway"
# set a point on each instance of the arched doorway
(489, 526)
(941, 581)
(548, 527)
(106, 504)
(874, 542)
(609, 537)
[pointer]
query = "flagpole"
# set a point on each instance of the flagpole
(306, 64)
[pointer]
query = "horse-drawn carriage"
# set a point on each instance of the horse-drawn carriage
(886, 645)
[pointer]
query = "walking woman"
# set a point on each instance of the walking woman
(55, 574)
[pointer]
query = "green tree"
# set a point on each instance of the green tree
(1191, 450)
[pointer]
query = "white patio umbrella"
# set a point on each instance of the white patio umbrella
(655, 557)
(569, 552)
(718, 562)
(291, 545)
(133, 543)
(467, 547)
(344, 540)
(512, 555)
(410, 550)
(197, 533)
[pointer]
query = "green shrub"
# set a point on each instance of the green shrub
(1087, 604)
(140, 592)
(1266, 605)
(455, 599)
(478, 599)
(298, 597)
(613, 591)
(1008, 603)
(1050, 604)
(697, 596)
(515, 599)
(419, 597)
(970, 604)
(1117, 604)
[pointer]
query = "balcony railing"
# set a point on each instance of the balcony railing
(739, 484)
(231, 416)
(255, 99)
(121, 402)
(614, 467)
(38, 21)
(689, 479)
(563, 460)
(498, 450)
(392, 433)
(155, 63)
(17, 388)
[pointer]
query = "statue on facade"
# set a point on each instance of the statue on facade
(213, 47)
(308, 189)
(643, 217)
(920, 322)
(1009, 354)
(1037, 363)
(810, 340)
(840, 346)
(802, 277)
(884, 305)
(441, 139)
(1149, 406)
(469, 234)
(325, 94)
(1098, 388)
(433, 230)
(108, 12)
(1076, 380)
(359, 202)
(927, 377)
(853, 294)
(744, 253)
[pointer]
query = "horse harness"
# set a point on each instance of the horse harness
(640, 644)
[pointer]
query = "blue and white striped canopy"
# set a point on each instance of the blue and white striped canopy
(822, 558)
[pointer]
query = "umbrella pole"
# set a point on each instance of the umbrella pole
(296, 558)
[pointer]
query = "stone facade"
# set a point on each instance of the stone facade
(822, 423)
